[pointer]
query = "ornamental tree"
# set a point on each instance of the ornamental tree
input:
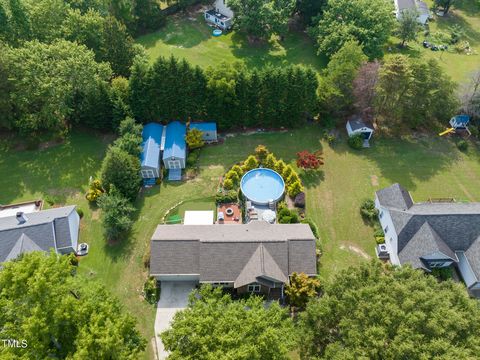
(377, 311)
(307, 160)
(250, 163)
(62, 315)
(194, 139)
(213, 326)
(301, 289)
(270, 161)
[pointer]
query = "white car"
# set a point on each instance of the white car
(82, 249)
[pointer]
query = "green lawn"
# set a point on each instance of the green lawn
(428, 167)
(191, 38)
(466, 14)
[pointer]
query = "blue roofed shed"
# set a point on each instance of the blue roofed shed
(208, 129)
(151, 146)
(175, 151)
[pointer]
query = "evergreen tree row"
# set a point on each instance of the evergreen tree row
(231, 95)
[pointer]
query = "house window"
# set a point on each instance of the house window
(148, 174)
(254, 288)
(386, 229)
(381, 214)
(221, 22)
(436, 264)
(218, 284)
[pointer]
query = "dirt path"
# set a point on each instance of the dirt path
(356, 250)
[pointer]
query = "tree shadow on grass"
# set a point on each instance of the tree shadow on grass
(472, 35)
(470, 7)
(407, 161)
(312, 178)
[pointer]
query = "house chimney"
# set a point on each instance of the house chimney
(21, 217)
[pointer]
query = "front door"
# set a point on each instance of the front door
(174, 164)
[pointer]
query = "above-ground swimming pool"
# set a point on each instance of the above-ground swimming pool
(261, 186)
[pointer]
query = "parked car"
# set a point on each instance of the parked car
(82, 249)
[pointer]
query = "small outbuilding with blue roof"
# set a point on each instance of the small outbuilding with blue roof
(151, 147)
(208, 129)
(175, 152)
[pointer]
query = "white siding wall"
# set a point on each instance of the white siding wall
(74, 224)
(222, 8)
(391, 239)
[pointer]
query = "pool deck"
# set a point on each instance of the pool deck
(237, 213)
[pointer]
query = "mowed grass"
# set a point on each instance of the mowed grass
(428, 167)
(189, 37)
(459, 66)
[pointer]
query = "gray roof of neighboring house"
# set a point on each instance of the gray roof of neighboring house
(235, 253)
(431, 230)
(417, 5)
(38, 232)
(395, 196)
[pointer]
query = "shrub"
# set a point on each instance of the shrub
(312, 225)
(307, 160)
(228, 184)
(462, 145)
(443, 274)
(250, 163)
(294, 189)
(230, 197)
(287, 172)
(151, 292)
(300, 200)
(80, 213)
(293, 178)
(270, 161)
(280, 166)
(356, 141)
(287, 216)
(380, 240)
(377, 230)
(474, 131)
(94, 191)
(238, 170)
(194, 139)
(368, 210)
(232, 175)
(281, 205)
(261, 153)
(192, 158)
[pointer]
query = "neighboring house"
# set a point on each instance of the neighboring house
(39, 231)
(152, 134)
(221, 15)
(420, 7)
(175, 152)
(356, 125)
(431, 234)
(208, 129)
(257, 257)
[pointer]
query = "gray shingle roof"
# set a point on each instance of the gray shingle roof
(431, 229)
(358, 123)
(40, 228)
(395, 197)
(223, 252)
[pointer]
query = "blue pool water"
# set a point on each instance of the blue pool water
(262, 185)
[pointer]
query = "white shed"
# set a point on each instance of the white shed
(357, 126)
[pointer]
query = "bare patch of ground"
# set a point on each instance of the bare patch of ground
(374, 180)
(356, 250)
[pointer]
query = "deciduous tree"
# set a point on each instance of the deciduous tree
(445, 4)
(308, 161)
(369, 22)
(213, 326)
(301, 289)
(62, 315)
(408, 26)
(122, 170)
(384, 312)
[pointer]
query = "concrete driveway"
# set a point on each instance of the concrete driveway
(173, 297)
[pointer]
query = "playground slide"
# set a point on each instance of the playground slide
(448, 131)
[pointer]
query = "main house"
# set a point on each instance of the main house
(39, 231)
(256, 257)
(434, 234)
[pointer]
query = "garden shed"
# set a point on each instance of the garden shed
(356, 126)
(175, 151)
(151, 147)
(208, 129)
